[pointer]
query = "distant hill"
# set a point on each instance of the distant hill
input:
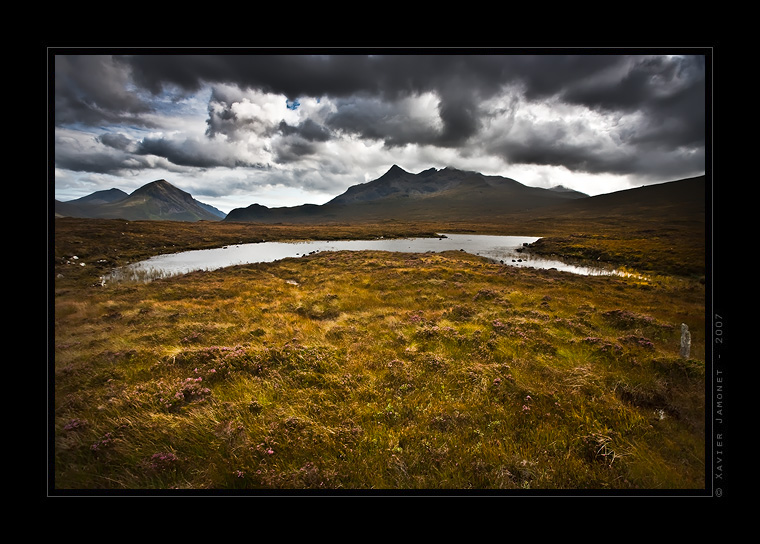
(102, 197)
(87, 205)
(156, 200)
(432, 194)
(685, 198)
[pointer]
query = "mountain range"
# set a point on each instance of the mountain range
(446, 194)
(432, 194)
(156, 200)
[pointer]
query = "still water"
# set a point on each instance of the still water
(505, 249)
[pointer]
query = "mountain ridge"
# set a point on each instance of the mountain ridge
(397, 195)
(102, 197)
(157, 200)
(447, 193)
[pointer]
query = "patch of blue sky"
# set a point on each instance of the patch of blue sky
(292, 105)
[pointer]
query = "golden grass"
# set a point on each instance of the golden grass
(373, 371)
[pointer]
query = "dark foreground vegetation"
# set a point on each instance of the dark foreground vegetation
(373, 370)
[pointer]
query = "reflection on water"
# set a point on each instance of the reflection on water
(508, 250)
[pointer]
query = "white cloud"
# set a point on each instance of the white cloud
(547, 176)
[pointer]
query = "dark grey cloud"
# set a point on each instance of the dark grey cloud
(291, 75)
(299, 141)
(575, 157)
(669, 92)
(119, 141)
(653, 84)
(93, 90)
(181, 155)
(394, 123)
(542, 76)
(677, 119)
(292, 151)
(459, 114)
(309, 130)
(633, 82)
(193, 153)
(93, 159)
(99, 163)
(460, 81)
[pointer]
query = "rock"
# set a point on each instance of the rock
(685, 341)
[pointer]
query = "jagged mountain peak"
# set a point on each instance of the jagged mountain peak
(394, 172)
(398, 183)
(159, 186)
(428, 172)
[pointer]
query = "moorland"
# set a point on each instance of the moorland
(383, 371)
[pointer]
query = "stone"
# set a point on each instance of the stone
(685, 341)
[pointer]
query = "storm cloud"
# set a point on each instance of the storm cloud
(323, 122)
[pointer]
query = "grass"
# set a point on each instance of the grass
(373, 370)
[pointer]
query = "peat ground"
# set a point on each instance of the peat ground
(374, 370)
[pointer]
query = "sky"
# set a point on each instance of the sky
(238, 127)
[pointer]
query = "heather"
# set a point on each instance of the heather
(372, 370)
